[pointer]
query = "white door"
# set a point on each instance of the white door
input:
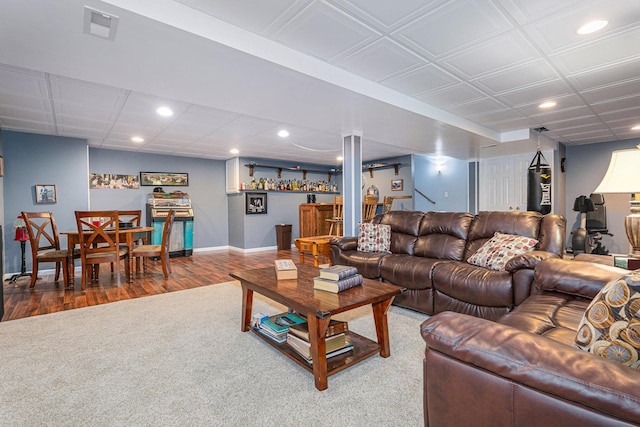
(503, 183)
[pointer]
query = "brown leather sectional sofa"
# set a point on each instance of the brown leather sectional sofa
(429, 252)
(522, 370)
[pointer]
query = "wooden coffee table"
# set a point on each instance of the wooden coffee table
(319, 306)
(317, 245)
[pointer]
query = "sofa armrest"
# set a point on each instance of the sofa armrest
(534, 362)
(345, 243)
(579, 278)
(528, 260)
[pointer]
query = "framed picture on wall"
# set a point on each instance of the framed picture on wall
(46, 193)
(256, 203)
(164, 179)
(396, 185)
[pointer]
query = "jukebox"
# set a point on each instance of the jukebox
(158, 205)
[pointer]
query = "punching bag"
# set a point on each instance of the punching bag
(539, 185)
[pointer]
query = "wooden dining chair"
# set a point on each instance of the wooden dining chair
(158, 251)
(99, 243)
(337, 217)
(369, 207)
(131, 218)
(45, 245)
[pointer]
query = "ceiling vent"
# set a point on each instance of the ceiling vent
(100, 24)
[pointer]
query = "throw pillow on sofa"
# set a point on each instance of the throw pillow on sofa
(496, 251)
(374, 237)
(610, 326)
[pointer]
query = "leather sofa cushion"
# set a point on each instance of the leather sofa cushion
(443, 235)
(474, 285)
(407, 271)
(579, 278)
(404, 229)
(551, 314)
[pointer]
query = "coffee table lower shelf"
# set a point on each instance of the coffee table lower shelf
(363, 348)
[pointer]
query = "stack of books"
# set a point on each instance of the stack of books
(337, 278)
(336, 339)
(276, 327)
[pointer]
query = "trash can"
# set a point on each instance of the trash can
(283, 236)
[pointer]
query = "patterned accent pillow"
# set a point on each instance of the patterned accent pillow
(374, 237)
(611, 325)
(495, 253)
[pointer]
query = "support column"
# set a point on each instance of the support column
(352, 182)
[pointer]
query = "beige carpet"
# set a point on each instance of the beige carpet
(180, 359)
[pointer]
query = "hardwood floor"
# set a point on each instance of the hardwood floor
(200, 269)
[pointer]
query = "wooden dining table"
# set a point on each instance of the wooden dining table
(128, 235)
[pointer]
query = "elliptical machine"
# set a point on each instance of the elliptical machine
(580, 238)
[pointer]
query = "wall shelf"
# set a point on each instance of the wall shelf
(287, 191)
(372, 168)
(279, 169)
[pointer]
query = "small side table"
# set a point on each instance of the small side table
(22, 237)
(317, 245)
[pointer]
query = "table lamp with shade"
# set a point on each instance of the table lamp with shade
(623, 176)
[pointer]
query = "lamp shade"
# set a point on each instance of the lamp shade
(623, 175)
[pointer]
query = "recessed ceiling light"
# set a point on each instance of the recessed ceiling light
(234, 151)
(164, 111)
(283, 133)
(137, 139)
(339, 158)
(547, 104)
(592, 27)
(636, 127)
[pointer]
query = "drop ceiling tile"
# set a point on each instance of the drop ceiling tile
(475, 107)
(605, 75)
(22, 81)
(380, 60)
(459, 25)
(607, 93)
(526, 10)
(427, 78)
(532, 73)
(308, 33)
(602, 52)
(451, 95)
(14, 101)
(613, 116)
(243, 127)
(490, 118)
(565, 105)
(558, 32)
(72, 91)
(535, 94)
(386, 15)
(31, 126)
(504, 51)
(617, 105)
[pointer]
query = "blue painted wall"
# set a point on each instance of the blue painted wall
(444, 180)
(39, 159)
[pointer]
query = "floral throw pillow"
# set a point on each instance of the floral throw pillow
(374, 237)
(610, 327)
(495, 253)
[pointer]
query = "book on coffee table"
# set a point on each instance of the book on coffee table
(286, 269)
(336, 286)
(338, 272)
(335, 345)
(335, 327)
